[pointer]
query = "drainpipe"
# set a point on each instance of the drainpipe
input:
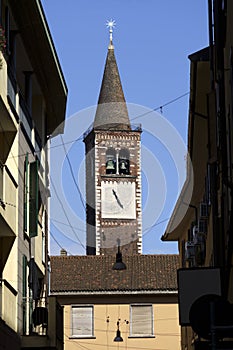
(219, 31)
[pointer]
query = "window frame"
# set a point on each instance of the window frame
(139, 335)
(81, 336)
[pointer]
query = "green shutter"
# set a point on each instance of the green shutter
(24, 293)
(25, 210)
(33, 199)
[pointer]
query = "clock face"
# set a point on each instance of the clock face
(118, 200)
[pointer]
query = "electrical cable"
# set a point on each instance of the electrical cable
(146, 231)
(72, 173)
(139, 116)
(67, 218)
(162, 106)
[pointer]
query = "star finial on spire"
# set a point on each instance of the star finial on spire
(111, 24)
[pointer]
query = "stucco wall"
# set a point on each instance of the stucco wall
(166, 328)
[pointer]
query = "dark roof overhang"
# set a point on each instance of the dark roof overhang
(30, 18)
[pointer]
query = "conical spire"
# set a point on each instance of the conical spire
(111, 110)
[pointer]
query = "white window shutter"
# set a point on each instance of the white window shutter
(141, 320)
(82, 321)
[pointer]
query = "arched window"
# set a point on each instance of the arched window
(110, 161)
(124, 162)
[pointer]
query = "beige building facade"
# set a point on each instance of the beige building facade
(142, 298)
(31, 81)
(205, 232)
(163, 312)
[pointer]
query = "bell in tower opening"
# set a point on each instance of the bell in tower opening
(124, 162)
(111, 161)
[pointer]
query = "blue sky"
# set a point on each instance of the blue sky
(152, 41)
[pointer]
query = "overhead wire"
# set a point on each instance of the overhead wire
(147, 230)
(161, 106)
(22, 177)
(72, 172)
(62, 223)
(134, 118)
(52, 235)
(67, 217)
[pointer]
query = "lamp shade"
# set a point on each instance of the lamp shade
(119, 264)
(118, 336)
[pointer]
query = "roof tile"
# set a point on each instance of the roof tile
(95, 273)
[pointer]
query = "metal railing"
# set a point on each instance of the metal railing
(11, 87)
(46, 324)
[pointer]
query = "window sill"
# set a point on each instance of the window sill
(82, 337)
(141, 336)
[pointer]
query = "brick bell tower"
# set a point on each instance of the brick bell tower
(113, 171)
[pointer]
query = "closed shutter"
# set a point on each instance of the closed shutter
(82, 321)
(33, 199)
(24, 292)
(25, 212)
(1, 183)
(141, 320)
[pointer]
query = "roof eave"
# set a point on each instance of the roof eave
(174, 231)
(34, 30)
(118, 292)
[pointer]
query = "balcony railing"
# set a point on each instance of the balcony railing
(8, 303)
(46, 330)
(8, 202)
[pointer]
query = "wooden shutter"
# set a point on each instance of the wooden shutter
(82, 321)
(33, 199)
(24, 292)
(25, 211)
(1, 183)
(141, 320)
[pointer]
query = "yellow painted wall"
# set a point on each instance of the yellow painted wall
(166, 329)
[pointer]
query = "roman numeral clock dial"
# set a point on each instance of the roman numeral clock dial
(118, 200)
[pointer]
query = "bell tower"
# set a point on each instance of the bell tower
(113, 170)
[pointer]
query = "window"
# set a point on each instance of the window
(117, 162)
(82, 321)
(141, 321)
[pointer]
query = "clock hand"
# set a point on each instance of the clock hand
(117, 199)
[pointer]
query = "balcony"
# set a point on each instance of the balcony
(47, 331)
(8, 125)
(8, 299)
(8, 191)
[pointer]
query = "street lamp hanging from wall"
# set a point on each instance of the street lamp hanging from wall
(119, 264)
(118, 336)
